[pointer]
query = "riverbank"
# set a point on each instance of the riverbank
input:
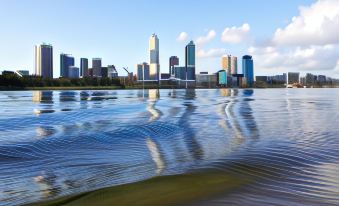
(183, 189)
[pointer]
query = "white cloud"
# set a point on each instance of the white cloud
(316, 25)
(308, 43)
(205, 39)
(299, 58)
(183, 36)
(236, 35)
(201, 53)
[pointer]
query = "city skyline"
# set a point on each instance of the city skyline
(216, 35)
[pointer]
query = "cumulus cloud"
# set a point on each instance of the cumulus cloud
(201, 53)
(298, 58)
(308, 43)
(205, 39)
(315, 25)
(236, 35)
(183, 36)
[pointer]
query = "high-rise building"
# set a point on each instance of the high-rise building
(230, 64)
(226, 63)
(154, 57)
(143, 72)
(44, 60)
(73, 72)
(83, 67)
(96, 67)
(293, 77)
(190, 60)
(234, 65)
(247, 69)
(66, 61)
(173, 61)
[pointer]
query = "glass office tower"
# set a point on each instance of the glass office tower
(44, 60)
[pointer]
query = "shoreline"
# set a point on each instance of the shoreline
(132, 88)
(182, 189)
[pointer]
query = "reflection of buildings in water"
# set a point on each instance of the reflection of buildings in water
(43, 96)
(47, 184)
(190, 94)
(243, 123)
(67, 96)
(247, 113)
(193, 146)
(45, 131)
(153, 95)
(156, 155)
(225, 92)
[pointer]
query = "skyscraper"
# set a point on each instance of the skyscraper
(230, 64)
(247, 69)
(293, 77)
(96, 67)
(190, 60)
(44, 60)
(66, 61)
(143, 72)
(173, 61)
(234, 65)
(154, 57)
(83, 67)
(73, 72)
(226, 63)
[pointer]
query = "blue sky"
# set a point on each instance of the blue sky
(118, 31)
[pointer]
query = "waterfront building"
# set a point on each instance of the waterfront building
(309, 79)
(261, 79)
(190, 60)
(230, 64)
(84, 67)
(222, 78)
(237, 80)
(22, 73)
(73, 72)
(293, 77)
(321, 79)
(5, 72)
(278, 79)
(112, 72)
(165, 76)
(154, 68)
(180, 72)
(205, 80)
(143, 72)
(96, 67)
(66, 61)
(248, 70)
(44, 60)
(173, 61)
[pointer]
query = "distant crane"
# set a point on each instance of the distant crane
(129, 74)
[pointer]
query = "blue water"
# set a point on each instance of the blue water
(57, 143)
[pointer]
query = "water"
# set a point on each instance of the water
(59, 143)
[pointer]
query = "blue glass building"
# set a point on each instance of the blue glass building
(83, 67)
(247, 69)
(190, 60)
(66, 61)
(222, 78)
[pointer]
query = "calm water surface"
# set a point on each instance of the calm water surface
(57, 143)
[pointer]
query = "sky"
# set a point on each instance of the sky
(282, 36)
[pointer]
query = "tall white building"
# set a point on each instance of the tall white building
(230, 64)
(154, 69)
(44, 60)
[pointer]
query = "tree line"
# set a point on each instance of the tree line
(13, 80)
